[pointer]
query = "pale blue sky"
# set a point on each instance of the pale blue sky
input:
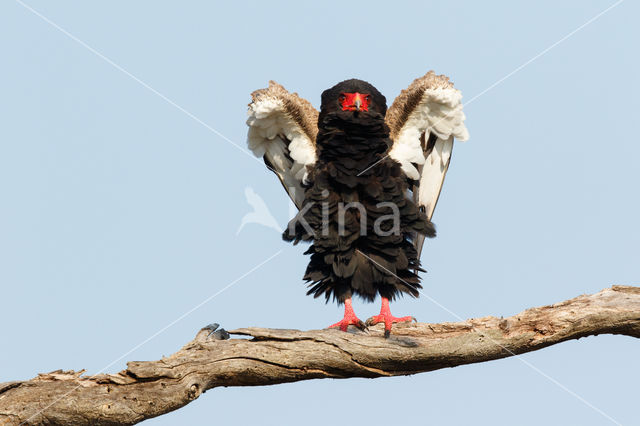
(119, 212)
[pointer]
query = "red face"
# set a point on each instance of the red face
(354, 101)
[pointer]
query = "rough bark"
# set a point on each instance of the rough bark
(151, 388)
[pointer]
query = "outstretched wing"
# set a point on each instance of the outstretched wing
(282, 130)
(423, 121)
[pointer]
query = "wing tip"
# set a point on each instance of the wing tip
(297, 108)
(408, 99)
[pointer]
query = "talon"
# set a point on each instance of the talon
(350, 318)
(386, 318)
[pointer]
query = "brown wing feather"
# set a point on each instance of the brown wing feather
(423, 120)
(282, 130)
(407, 101)
(299, 109)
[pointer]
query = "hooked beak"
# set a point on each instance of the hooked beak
(354, 101)
(357, 102)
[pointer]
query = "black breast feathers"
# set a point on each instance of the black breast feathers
(356, 212)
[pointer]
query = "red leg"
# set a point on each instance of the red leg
(350, 318)
(386, 317)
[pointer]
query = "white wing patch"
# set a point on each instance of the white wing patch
(274, 135)
(424, 120)
(439, 112)
(432, 175)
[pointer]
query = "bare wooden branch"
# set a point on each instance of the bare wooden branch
(151, 388)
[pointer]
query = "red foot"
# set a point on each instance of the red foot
(386, 317)
(350, 318)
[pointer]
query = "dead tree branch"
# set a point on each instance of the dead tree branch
(151, 388)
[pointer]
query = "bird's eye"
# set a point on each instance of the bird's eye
(367, 98)
(341, 98)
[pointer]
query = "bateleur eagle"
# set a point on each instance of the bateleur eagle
(365, 179)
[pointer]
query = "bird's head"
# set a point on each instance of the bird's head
(354, 97)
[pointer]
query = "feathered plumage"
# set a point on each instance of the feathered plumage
(359, 260)
(282, 130)
(424, 119)
(389, 163)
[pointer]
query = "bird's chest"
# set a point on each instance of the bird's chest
(367, 182)
(351, 174)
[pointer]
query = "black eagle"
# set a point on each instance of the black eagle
(366, 181)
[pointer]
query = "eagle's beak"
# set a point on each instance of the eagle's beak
(357, 102)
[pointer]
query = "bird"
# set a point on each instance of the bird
(366, 180)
